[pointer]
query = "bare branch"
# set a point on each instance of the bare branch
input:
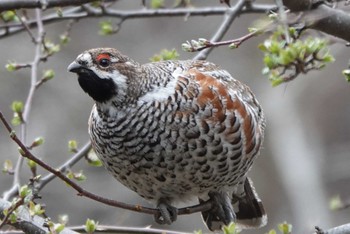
(126, 230)
(332, 21)
(80, 13)
(27, 107)
(17, 4)
(68, 164)
(233, 43)
(225, 25)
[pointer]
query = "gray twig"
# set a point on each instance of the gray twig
(225, 25)
(81, 13)
(28, 103)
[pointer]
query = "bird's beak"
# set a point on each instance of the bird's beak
(75, 67)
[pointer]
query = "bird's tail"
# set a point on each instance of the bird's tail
(248, 210)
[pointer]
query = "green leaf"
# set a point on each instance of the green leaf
(51, 48)
(265, 71)
(285, 58)
(275, 78)
(93, 160)
(187, 47)
(262, 47)
(59, 11)
(48, 74)
(8, 16)
(38, 141)
(285, 228)
(16, 120)
(64, 39)
(336, 203)
(346, 73)
(24, 191)
(31, 164)
(270, 61)
(11, 66)
(275, 47)
(79, 176)
(17, 106)
(156, 4)
(7, 166)
(198, 232)
(21, 151)
(58, 227)
(165, 55)
(272, 231)
(230, 229)
(252, 30)
(35, 209)
(327, 58)
(90, 226)
(13, 217)
(63, 219)
(106, 28)
(72, 146)
(233, 46)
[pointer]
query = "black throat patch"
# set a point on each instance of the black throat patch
(100, 90)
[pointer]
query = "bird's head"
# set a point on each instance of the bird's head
(103, 73)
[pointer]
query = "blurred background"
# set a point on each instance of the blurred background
(306, 155)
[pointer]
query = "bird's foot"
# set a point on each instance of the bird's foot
(167, 213)
(222, 209)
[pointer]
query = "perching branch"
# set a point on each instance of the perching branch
(82, 192)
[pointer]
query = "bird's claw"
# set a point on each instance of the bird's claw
(222, 207)
(166, 215)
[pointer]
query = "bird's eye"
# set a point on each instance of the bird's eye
(104, 62)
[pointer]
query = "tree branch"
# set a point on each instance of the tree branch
(68, 164)
(17, 4)
(343, 229)
(329, 20)
(126, 230)
(81, 13)
(28, 223)
(28, 103)
(225, 25)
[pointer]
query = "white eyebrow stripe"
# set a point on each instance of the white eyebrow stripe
(114, 60)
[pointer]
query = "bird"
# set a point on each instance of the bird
(176, 130)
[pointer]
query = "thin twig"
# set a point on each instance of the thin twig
(225, 25)
(283, 19)
(68, 164)
(28, 103)
(26, 28)
(12, 5)
(11, 210)
(234, 43)
(82, 192)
